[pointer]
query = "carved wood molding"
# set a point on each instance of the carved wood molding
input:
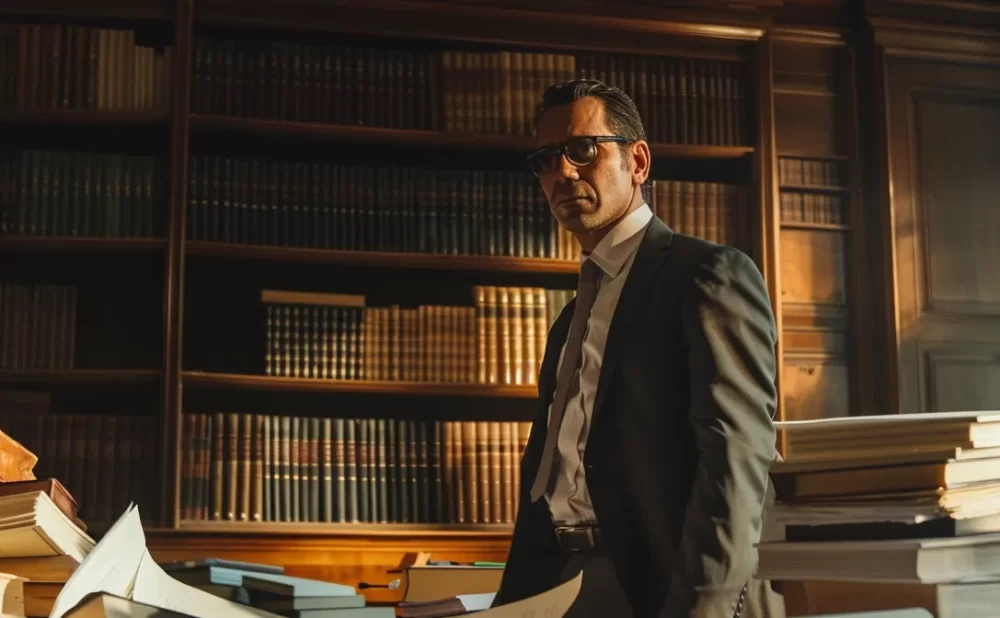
(614, 28)
(809, 36)
(937, 41)
(971, 12)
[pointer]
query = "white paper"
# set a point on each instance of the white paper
(110, 567)
(552, 603)
(477, 602)
(121, 565)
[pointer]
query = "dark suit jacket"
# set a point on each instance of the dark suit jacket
(681, 438)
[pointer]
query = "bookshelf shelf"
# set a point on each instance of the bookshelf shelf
(144, 10)
(803, 225)
(26, 244)
(450, 139)
(830, 190)
(427, 261)
(469, 531)
(80, 376)
(814, 157)
(83, 117)
(304, 385)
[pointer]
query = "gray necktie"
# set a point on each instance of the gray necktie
(569, 375)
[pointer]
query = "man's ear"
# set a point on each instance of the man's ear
(641, 162)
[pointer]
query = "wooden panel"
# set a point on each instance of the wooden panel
(815, 387)
(346, 560)
(942, 121)
(812, 267)
(808, 124)
(805, 66)
(962, 378)
(973, 12)
(807, 340)
(961, 219)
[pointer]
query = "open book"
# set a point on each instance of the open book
(120, 565)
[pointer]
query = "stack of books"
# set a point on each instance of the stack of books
(269, 588)
(888, 512)
(42, 539)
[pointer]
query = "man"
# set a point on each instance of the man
(648, 461)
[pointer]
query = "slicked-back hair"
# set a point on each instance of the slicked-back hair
(620, 111)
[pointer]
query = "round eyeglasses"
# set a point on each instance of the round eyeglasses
(579, 150)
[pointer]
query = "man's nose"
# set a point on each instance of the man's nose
(567, 169)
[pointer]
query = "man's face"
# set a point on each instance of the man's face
(591, 197)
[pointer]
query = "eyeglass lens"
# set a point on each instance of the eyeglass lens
(578, 150)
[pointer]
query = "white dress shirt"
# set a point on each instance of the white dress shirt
(569, 499)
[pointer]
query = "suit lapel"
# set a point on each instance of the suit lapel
(652, 252)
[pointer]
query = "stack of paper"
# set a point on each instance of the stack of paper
(911, 501)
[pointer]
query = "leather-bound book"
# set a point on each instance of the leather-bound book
(52, 487)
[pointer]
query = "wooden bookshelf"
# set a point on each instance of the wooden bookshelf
(158, 11)
(629, 31)
(312, 385)
(819, 227)
(44, 377)
(385, 259)
(816, 189)
(119, 119)
(80, 244)
(320, 529)
(413, 137)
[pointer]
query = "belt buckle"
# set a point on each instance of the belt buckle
(587, 530)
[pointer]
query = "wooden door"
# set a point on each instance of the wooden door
(943, 126)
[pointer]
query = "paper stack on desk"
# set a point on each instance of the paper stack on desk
(120, 566)
(878, 511)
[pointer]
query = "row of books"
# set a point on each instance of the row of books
(252, 467)
(51, 566)
(330, 206)
(812, 208)
(680, 100)
(37, 326)
(68, 66)
(59, 193)
(811, 172)
(480, 212)
(498, 340)
(887, 512)
(104, 460)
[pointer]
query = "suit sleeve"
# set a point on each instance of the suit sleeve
(730, 329)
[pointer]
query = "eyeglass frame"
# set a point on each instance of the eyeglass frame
(561, 149)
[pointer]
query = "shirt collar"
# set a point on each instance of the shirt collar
(614, 250)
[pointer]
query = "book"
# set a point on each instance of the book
(52, 487)
(428, 583)
(31, 525)
(11, 596)
(958, 600)
(209, 563)
(929, 561)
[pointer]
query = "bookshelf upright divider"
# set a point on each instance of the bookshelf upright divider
(173, 311)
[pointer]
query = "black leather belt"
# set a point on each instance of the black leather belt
(579, 538)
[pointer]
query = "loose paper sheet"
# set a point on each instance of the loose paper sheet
(121, 565)
(110, 567)
(552, 603)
